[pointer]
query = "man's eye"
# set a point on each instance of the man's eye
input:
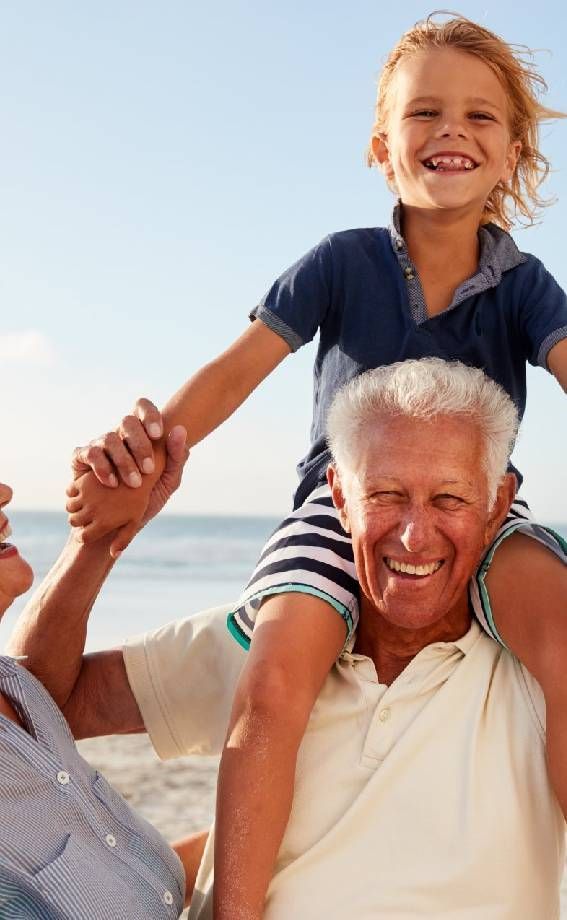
(386, 496)
(446, 500)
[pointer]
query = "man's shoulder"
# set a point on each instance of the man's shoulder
(183, 676)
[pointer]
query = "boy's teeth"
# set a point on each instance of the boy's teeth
(450, 163)
(408, 569)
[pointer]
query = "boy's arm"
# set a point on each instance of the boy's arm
(557, 362)
(203, 403)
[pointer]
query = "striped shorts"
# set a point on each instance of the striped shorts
(310, 553)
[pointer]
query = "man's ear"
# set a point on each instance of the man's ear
(381, 154)
(339, 502)
(504, 498)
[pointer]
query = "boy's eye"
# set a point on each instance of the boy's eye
(482, 116)
(424, 113)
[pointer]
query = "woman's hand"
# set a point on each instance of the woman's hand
(124, 478)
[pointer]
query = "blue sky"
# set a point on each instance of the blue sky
(161, 164)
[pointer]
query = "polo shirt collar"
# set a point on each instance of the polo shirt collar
(464, 645)
(498, 254)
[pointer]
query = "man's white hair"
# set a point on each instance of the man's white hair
(425, 388)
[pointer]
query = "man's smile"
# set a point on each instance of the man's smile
(406, 568)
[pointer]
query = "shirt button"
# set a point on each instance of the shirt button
(384, 715)
(63, 778)
(167, 897)
(409, 273)
(399, 244)
(111, 840)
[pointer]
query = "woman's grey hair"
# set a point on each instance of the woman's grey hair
(425, 388)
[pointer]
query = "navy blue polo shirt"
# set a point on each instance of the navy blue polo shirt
(360, 290)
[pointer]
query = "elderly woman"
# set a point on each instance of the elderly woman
(70, 846)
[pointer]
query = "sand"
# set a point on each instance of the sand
(177, 796)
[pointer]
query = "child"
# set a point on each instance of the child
(456, 136)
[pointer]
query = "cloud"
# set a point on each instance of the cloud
(26, 347)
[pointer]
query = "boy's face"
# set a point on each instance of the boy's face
(448, 142)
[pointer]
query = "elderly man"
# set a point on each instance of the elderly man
(421, 784)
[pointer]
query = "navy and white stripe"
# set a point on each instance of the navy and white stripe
(310, 553)
(70, 846)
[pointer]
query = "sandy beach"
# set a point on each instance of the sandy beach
(177, 796)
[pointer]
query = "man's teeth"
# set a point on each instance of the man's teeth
(5, 533)
(442, 163)
(408, 569)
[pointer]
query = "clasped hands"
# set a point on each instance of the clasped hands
(124, 478)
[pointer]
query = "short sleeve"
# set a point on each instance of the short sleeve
(297, 303)
(543, 313)
(183, 677)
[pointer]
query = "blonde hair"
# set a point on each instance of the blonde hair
(512, 65)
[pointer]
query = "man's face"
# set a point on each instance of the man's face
(417, 509)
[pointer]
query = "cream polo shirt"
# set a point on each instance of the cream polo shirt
(427, 798)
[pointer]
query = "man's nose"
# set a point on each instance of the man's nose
(416, 532)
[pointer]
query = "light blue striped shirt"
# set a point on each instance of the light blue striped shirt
(70, 846)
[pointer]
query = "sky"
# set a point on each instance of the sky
(161, 164)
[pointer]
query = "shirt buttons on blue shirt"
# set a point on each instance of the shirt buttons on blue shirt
(167, 897)
(63, 778)
(111, 840)
(399, 244)
(409, 273)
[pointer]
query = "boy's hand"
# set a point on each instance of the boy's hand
(129, 461)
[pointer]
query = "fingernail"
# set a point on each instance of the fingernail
(135, 480)
(154, 430)
(148, 465)
(112, 480)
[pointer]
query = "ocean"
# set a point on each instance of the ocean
(176, 566)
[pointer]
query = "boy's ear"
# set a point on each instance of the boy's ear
(339, 502)
(381, 154)
(514, 151)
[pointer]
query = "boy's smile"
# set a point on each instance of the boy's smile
(447, 143)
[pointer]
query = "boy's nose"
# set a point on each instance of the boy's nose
(452, 127)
